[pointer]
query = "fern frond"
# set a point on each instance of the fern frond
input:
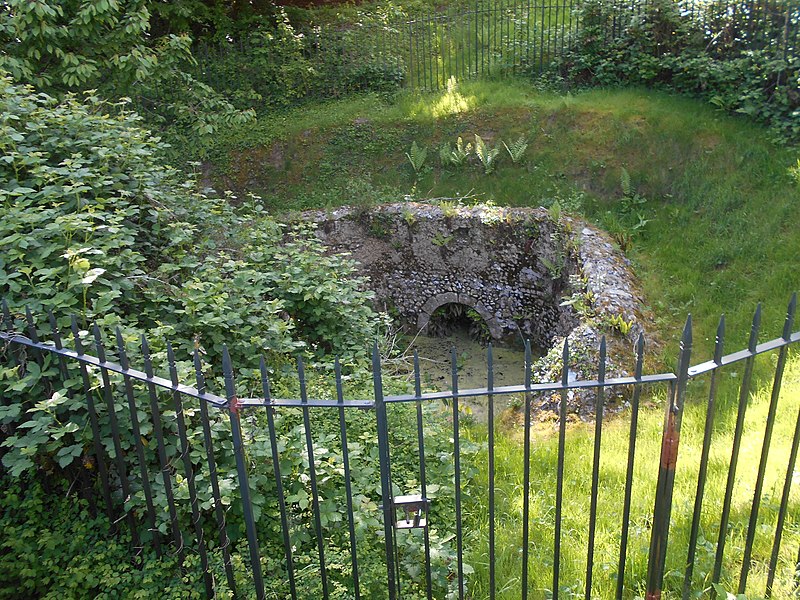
(488, 157)
(625, 182)
(517, 149)
(416, 156)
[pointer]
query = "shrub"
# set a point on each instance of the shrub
(658, 46)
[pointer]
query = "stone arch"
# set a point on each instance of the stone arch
(434, 302)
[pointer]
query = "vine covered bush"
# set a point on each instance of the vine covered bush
(657, 45)
(94, 226)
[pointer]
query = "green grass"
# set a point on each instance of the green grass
(721, 236)
(614, 449)
(721, 205)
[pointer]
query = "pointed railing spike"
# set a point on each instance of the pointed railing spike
(76, 335)
(32, 333)
(753, 342)
(719, 341)
(790, 314)
(528, 362)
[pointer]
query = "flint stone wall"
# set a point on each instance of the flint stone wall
(512, 266)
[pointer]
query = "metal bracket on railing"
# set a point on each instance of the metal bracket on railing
(410, 512)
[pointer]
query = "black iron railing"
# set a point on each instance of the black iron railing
(121, 463)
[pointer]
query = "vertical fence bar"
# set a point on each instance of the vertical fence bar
(166, 468)
(144, 472)
(626, 507)
(457, 474)
(438, 47)
(598, 432)
(773, 562)
(512, 22)
(562, 432)
(347, 482)
(386, 476)
(312, 472)
(666, 473)
(744, 396)
(541, 39)
(241, 468)
(276, 469)
(98, 446)
(188, 470)
(787, 485)
(477, 39)
(703, 469)
(211, 460)
(762, 465)
(56, 334)
(119, 458)
(469, 42)
(526, 472)
(423, 21)
(422, 476)
(490, 425)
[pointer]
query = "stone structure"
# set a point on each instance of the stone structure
(514, 267)
(526, 275)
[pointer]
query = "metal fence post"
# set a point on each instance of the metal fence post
(386, 478)
(244, 484)
(666, 473)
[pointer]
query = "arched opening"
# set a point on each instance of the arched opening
(451, 312)
(454, 319)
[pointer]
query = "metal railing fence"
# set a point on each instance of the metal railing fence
(426, 48)
(137, 417)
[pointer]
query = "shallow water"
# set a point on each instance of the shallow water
(436, 368)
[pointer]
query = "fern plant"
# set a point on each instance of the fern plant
(625, 183)
(517, 149)
(417, 156)
(487, 156)
(457, 156)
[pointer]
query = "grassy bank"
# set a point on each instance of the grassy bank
(703, 204)
(719, 202)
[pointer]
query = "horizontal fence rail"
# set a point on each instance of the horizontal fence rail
(177, 468)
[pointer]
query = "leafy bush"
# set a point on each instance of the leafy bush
(659, 46)
(93, 225)
(63, 46)
(283, 64)
(52, 547)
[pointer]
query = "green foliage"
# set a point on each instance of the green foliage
(417, 156)
(51, 547)
(794, 172)
(487, 156)
(107, 45)
(517, 149)
(93, 224)
(283, 62)
(455, 156)
(661, 47)
(72, 44)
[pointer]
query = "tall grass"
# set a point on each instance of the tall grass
(614, 450)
